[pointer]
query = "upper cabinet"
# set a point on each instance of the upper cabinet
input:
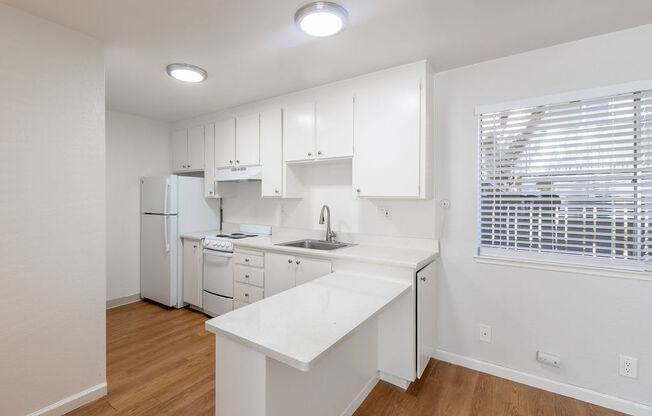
(188, 149)
(210, 186)
(271, 152)
(321, 129)
(299, 131)
(225, 143)
(237, 141)
(392, 134)
(334, 124)
(247, 140)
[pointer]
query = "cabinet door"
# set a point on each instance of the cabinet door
(387, 133)
(309, 269)
(271, 152)
(225, 143)
(279, 273)
(196, 148)
(335, 126)
(210, 190)
(179, 150)
(247, 140)
(426, 316)
(299, 131)
(192, 272)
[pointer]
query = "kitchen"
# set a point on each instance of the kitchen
(296, 225)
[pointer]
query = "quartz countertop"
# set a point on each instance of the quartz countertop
(379, 254)
(200, 235)
(300, 325)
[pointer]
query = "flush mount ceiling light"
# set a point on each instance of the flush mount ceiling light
(321, 18)
(186, 72)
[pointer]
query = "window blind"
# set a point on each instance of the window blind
(569, 181)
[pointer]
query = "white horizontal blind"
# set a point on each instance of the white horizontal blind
(570, 180)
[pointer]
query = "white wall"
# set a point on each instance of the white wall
(52, 213)
(329, 184)
(135, 147)
(587, 319)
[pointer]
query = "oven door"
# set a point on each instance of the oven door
(218, 273)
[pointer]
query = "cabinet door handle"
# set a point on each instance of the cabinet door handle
(246, 260)
(309, 154)
(319, 153)
(246, 276)
(188, 165)
(246, 295)
(210, 192)
(276, 191)
(358, 190)
(298, 262)
(237, 162)
(230, 161)
(289, 260)
(194, 246)
(423, 279)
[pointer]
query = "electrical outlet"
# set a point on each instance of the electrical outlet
(548, 359)
(445, 203)
(485, 333)
(628, 366)
(385, 211)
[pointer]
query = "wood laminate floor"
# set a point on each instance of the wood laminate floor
(161, 362)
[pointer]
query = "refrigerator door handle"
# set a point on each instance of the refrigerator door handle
(165, 196)
(165, 232)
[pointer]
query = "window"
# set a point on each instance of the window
(568, 182)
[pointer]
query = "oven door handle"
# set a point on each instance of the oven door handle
(217, 253)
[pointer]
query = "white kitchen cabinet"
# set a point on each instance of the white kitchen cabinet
(426, 316)
(308, 269)
(334, 124)
(196, 148)
(179, 150)
(247, 140)
(391, 134)
(210, 186)
(192, 272)
(285, 271)
(188, 149)
(271, 152)
(225, 143)
(299, 131)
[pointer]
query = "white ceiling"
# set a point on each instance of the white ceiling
(252, 50)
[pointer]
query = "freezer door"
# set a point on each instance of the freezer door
(158, 194)
(158, 258)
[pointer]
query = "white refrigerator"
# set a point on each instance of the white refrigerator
(170, 206)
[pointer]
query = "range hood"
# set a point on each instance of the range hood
(250, 173)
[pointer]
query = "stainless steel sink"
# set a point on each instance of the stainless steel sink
(315, 244)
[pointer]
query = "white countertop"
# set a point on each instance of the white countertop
(368, 253)
(298, 326)
(200, 235)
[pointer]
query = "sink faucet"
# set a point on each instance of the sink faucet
(330, 234)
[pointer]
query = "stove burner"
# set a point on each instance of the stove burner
(234, 236)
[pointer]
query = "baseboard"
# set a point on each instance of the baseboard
(113, 303)
(357, 401)
(397, 381)
(73, 402)
(569, 390)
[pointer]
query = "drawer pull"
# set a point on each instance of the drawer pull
(246, 276)
(247, 295)
(298, 261)
(289, 260)
(247, 260)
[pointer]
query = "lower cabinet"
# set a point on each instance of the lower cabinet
(284, 271)
(192, 272)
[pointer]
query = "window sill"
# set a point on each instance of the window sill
(567, 268)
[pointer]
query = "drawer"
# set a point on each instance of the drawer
(248, 259)
(247, 293)
(237, 304)
(251, 275)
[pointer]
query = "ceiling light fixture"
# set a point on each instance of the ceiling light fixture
(321, 18)
(187, 73)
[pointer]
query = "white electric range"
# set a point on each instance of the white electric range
(218, 268)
